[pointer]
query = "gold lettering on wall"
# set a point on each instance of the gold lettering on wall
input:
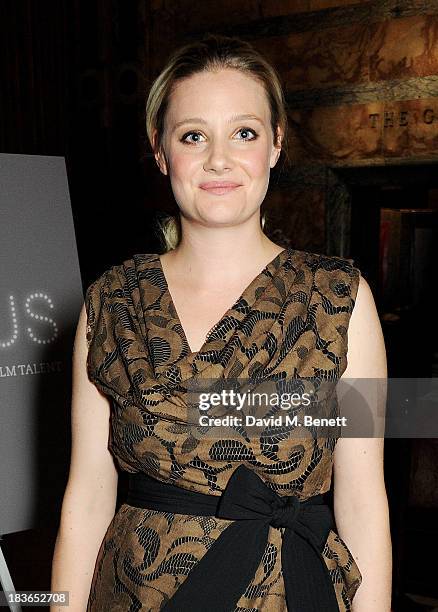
(398, 119)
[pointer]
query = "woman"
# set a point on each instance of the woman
(210, 522)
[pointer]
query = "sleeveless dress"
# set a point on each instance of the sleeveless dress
(291, 319)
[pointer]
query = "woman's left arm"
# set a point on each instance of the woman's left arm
(359, 493)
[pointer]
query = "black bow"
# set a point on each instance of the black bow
(222, 575)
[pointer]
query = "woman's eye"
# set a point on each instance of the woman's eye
(198, 135)
(246, 131)
(184, 138)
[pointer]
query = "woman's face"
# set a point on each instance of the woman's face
(217, 129)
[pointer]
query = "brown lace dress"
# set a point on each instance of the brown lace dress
(292, 318)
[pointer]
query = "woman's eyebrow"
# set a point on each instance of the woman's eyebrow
(203, 122)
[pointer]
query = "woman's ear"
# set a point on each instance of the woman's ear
(276, 148)
(161, 161)
(160, 158)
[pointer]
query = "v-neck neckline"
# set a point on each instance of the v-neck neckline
(272, 264)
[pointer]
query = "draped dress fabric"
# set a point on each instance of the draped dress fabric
(292, 319)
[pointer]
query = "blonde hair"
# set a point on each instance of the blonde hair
(213, 52)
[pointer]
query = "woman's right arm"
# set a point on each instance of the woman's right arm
(90, 496)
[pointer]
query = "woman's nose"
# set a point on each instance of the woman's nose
(218, 157)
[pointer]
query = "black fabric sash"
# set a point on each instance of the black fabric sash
(222, 575)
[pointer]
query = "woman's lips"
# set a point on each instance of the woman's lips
(219, 188)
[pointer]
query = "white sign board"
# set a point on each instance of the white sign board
(40, 300)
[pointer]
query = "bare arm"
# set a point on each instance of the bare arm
(91, 492)
(360, 501)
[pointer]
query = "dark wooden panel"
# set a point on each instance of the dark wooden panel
(366, 12)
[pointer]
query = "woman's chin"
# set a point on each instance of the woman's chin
(224, 217)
